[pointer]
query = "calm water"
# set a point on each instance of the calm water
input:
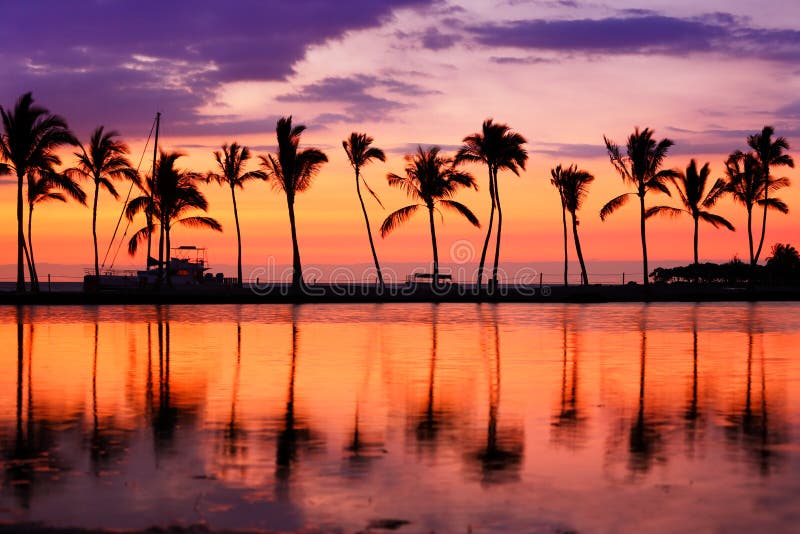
(494, 418)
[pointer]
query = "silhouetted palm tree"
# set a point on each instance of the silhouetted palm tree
(360, 152)
(431, 180)
(231, 163)
(498, 147)
(32, 135)
(292, 171)
(691, 187)
(745, 182)
(769, 154)
(641, 168)
(168, 199)
(573, 186)
(104, 161)
(43, 188)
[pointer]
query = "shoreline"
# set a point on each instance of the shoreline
(401, 293)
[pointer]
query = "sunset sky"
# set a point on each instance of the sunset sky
(562, 73)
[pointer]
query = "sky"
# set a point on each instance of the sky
(407, 72)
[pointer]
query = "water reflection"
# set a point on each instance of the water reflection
(294, 434)
(751, 422)
(288, 418)
(500, 458)
(568, 424)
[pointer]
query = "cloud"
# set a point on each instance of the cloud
(644, 32)
(528, 60)
(359, 97)
(117, 62)
(569, 150)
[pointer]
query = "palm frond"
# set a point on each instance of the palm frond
(397, 218)
(462, 209)
(716, 220)
(668, 211)
(201, 222)
(613, 205)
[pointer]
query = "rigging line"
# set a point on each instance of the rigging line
(127, 198)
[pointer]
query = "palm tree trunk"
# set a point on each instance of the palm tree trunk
(160, 251)
(584, 276)
(566, 258)
(167, 252)
(696, 225)
(764, 221)
(238, 239)
(20, 238)
(750, 233)
(149, 219)
(499, 229)
(297, 269)
(488, 232)
(644, 242)
(94, 230)
(32, 264)
(369, 230)
(435, 248)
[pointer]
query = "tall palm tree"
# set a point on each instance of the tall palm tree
(231, 161)
(497, 147)
(574, 188)
(104, 161)
(31, 137)
(292, 171)
(360, 152)
(431, 181)
(745, 182)
(641, 168)
(691, 187)
(43, 188)
(769, 154)
(169, 198)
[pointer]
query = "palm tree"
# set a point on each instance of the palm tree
(43, 188)
(168, 199)
(430, 180)
(231, 163)
(574, 188)
(292, 171)
(769, 154)
(745, 182)
(641, 168)
(691, 187)
(31, 137)
(498, 147)
(104, 161)
(360, 152)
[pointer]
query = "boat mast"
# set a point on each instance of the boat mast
(150, 215)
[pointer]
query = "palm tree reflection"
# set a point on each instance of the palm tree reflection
(31, 460)
(294, 430)
(500, 459)
(568, 425)
(167, 416)
(751, 424)
(692, 415)
(644, 444)
(428, 424)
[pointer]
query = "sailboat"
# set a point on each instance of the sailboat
(188, 264)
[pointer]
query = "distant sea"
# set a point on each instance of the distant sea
(552, 272)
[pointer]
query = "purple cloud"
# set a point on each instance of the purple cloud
(118, 62)
(640, 32)
(355, 94)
